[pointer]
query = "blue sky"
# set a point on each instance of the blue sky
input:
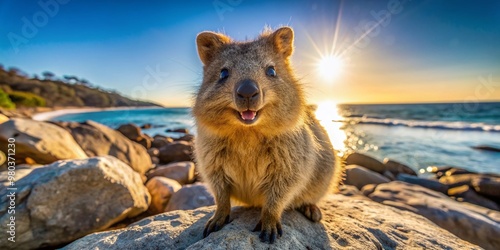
(428, 51)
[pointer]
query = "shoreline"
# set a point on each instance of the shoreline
(48, 115)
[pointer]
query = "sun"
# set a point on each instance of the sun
(330, 67)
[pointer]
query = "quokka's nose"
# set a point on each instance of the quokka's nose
(247, 89)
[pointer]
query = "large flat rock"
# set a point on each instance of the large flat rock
(475, 224)
(348, 222)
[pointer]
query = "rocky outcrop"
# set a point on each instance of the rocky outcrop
(99, 140)
(134, 133)
(66, 200)
(347, 223)
(39, 142)
(477, 225)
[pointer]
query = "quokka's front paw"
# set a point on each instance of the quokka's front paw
(269, 230)
(215, 224)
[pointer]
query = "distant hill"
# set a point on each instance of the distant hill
(17, 89)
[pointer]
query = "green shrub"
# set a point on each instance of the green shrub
(27, 99)
(5, 101)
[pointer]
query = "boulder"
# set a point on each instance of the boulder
(427, 183)
(359, 176)
(42, 142)
(190, 197)
(153, 152)
(366, 162)
(487, 185)
(131, 131)
(439, 171)
(69, 199)
(98, 140)
(348, 223)
(467, 194)
(155, 160)
(478, 226)
(160, 141)
(182, 172)
(161, 190)
(398, 168)
(176, 151)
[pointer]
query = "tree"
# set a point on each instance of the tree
(48, 75)
(71, 79)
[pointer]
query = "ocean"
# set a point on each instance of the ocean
(419, 135)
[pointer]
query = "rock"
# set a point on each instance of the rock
(98, 140)
(42, 142)
(467, 194)
(145, 142)
(427, 183)
(438, 171)
(458, 180)
(348, 223)
(153, 152)
(161, 189)
(146, 126)
(66, 200)
(359, 176)
(160, 141)
(155, 160)
(366, 162)
(398, 168)
(131, 131)
(182, 172)
(478, 226)
(487, 148)
(349, 190)
(389, 175)
(20, 171)
(3, 118)
(457, 171)
(178, 130)
(487, 185)
(368, 189)
(190, 197)
(187, 137)
(3, 158)
(176, 151)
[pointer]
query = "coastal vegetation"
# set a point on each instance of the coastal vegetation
(18, 89)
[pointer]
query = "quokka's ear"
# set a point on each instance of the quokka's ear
(282, 40)
(209, 44)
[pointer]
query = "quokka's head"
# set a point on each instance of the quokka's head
(248, 85)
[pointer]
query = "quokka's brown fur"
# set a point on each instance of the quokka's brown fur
(283, 158)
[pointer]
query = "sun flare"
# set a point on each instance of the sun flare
(330, 67)
(329, 117)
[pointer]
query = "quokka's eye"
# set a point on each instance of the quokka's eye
(270, 71)
(224, 73)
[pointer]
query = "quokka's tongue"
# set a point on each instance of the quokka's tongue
(248, 115)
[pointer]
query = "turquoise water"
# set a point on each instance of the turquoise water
(419, 135)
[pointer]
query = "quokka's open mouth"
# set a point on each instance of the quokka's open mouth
(248, 116)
